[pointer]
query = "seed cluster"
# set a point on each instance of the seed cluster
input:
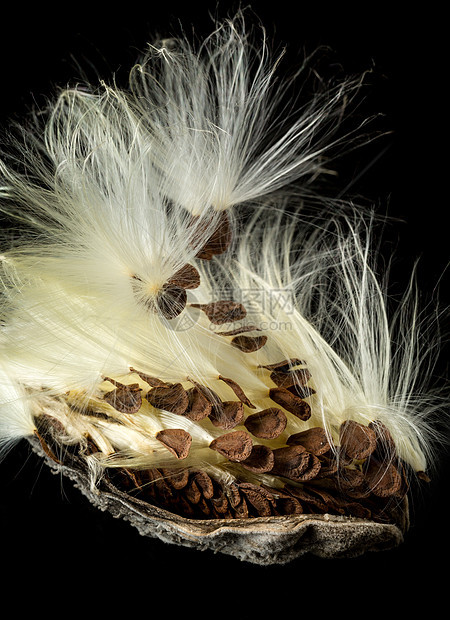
(360, 475)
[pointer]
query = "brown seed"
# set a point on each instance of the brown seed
(423, 476)
(314, 440)
(292, 377)
(218, 242)
(176, 478)
(176, 440)
(152, 381)
(48, 451)
(249, 344)
(257, 497)
(266, 424)
(241, 510)
(219, 502)
(357, 441)
(284, 365)
(308, 498)
(229, 415)
(291, 403)
(302, 391)
(383, 478)
(199, 407)
(187, 277)
(385, 449)
(173, 398)
(261, 460)
(171, 301)
(126, 398)
(192, 492)
(236, 446)
(204, 482)
(311, 471)
(350, 479)
(290, 461)
(223, 311)
(239, 330)
(238, 391)
(234, 496)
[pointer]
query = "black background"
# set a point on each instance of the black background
(47, 522)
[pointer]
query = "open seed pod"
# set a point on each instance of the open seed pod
(175, 341)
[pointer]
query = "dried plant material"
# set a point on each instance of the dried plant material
(385, 443)
(311, 471)
(199, 406)
(290, 461)
(239, 330)
(224, 311)
(238, 391)
(176, 440)
(125, 398)
(302, 391)
(266, 424)
(219, 241)
(356, 440)
(249, 344)
(257, 497)
(235, 446)
(173, 398)
(229, 415)
(292, 377)
(187, 277)
(46, 448)
(290, 402)
(204, 483)
(260, 461)
(119, 192)
(314, 440)
(284, 365)
(171, 301)
(176, 478)
(383, 478)
(151, 381)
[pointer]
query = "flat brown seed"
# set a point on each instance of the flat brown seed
(314, 440)
(176, 478)
(292, 377)
(260, 461)
(311, 472)
(171, 301)
(284, 365)
(357, 441)
(192, 492)
(238, 391)
(386, 448)
(173, 398)
(126, 399)
(229, 415)
(176, 440)
(290, 402)
(266, 424)
(302, 391)
(199, 406)
(223, 311)
(383, 479)
(187, 277)
(290, 460)
(204, 482)
(235, 446)
(219, 241)
(249, 344)
(151, 381)
(258, 498)
(239, 330)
